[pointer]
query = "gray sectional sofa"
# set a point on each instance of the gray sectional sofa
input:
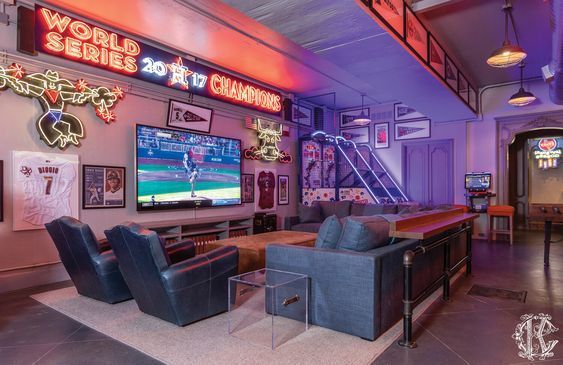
(311, 217)
(360, 293)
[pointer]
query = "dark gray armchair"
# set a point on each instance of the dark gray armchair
(180, 293)
(91, 264)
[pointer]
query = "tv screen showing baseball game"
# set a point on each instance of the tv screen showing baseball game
(178, 169)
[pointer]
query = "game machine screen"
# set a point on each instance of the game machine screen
(178, 169)
(478, 182)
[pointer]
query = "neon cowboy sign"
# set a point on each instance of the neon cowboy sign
(64, 36)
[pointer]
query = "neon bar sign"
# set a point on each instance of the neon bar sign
(269, 135)
(61, 35)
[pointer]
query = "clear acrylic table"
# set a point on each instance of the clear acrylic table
(268, 307)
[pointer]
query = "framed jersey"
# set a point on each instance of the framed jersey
(265, 189)
(45, 188)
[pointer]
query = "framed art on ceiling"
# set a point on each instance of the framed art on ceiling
(437, 57)
(45, 187)
(392, 13)
(416, 35)
(103, 187)
(356, 135)
(451, 74)
(405, 112)
(188, 116)
(463, 87)
(247, 185)
(381, 134)
(412, 130)
(302, 115)
(283, 189)
(347, 117)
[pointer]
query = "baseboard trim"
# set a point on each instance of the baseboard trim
(25, 278)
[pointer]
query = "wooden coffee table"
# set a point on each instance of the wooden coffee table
(252, 249)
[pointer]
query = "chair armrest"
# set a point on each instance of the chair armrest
(290, 222)
(105, 262)
(181, 251)
(104, 245)
(201, 268)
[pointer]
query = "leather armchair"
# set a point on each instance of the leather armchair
(91, 265)
(181, 292)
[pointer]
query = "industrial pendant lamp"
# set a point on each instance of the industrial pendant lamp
(509, 54)
(522, 97)
(362, 119)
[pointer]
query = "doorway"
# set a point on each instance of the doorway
(519, 174)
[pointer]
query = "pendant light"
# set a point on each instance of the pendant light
(522, 97)
(362, 119)
(509, 54)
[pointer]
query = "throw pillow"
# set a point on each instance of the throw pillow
(329, 233)
(364, 233)
(310, 214)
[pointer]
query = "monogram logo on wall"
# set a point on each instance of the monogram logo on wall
(55, 126)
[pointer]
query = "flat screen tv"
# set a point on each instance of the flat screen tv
(179, 169)
(478, 181)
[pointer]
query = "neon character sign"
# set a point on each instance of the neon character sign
(56, 127)
(268, 149)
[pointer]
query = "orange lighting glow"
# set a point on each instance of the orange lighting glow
(247, 94)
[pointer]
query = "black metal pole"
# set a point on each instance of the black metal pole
(407, 301)
(446, 284)
(547, 242)
(468, 251)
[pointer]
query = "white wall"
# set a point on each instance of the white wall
(106, 145)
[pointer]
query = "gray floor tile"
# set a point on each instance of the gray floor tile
(23, 355)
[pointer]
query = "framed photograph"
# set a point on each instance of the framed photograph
(357, 135)
(405, 112)
(103, 187)
(451, 74)
(247, 185)
(391, 12)
(188, 116)
(437, 57)
(283, 189)
(1, 191)
(416, 35)
(45, 187)
(412, 130)
(347, 117)
(302, 115)
(266, 189)
(381, 134)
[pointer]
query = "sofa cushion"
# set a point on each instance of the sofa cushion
(310, 214)
(329, 233)
(373, 209)
(340, 208)
(306, 227)
(364, 233)
(357, 208)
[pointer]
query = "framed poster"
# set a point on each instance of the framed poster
(356, 135)
(381, 134)
(266, 190)
(247, 184)
(103, 187)
(311, 165)
(437, 57)
(405, 112)
(45, 188)
(416, 35)
(302, 115)
(412, 130)
(283, 189)
(451, 74)
(188, 116)
(391, 12)
(347, 117)
(463, 87)
(1, 191)
(472, 98)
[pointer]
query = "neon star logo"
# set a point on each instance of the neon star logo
(180, 74)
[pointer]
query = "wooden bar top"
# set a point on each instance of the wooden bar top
(427, 225)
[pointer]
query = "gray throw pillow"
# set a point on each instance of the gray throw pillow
(329, 233)
(310, 214)
(364, 233)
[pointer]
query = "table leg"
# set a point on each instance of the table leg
(546, 241)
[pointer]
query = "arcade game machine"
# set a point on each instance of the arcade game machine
(478, 195)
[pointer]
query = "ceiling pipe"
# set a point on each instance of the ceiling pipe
(556, 86)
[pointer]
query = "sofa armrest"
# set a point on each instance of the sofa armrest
(105, 262)
(290, 222)
(181, 251)
(103, 245)
(345, 286)
(201, 268)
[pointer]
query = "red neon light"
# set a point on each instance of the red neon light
(237, 90)
(77, 40)
(547, 144)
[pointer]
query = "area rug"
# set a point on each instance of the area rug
(207, 341)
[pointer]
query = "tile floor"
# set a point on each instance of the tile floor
(466, 330)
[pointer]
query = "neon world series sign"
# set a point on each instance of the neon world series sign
(64, 36)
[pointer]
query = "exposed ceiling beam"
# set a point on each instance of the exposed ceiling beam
(426, 5)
